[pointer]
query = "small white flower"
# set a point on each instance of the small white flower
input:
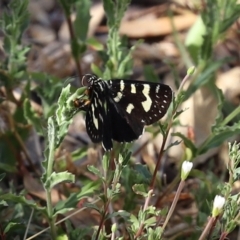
(218, 204)
(186, 168)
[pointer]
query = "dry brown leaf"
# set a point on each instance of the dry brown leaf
(41, 34)
(87, 217)
(156, 27)
(56, 59)
(35, 188)
(37, 13)
(229, 82)
(153, 51)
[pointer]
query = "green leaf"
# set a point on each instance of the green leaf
(93, 206)
(194, 39)
(21, 199)
(32, 117)
(140, 189)
(231, 17)
(109, 9)
(95, 44)
(121, 213)
(96, 70)
(149, 73)
(82, 19)
(188, 143)
(77, 155)
(7, 168)
(220, 98)
(95, 171)
(175, 143)
(56, 178)
(205, 77)
(220, 135)
(142, 173)
(66, 110)
(70, 203)
(12, 227)
(150, 221)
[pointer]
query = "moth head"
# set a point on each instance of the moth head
(81, 104)
(89, 79)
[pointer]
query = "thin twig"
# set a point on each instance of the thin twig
(73, 37)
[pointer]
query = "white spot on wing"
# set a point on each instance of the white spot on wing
(95, 120)
(130, 107)
(157, 88)
(100, 85)
(148, 102)
(133, 88)
(118, 97)
(122, 85)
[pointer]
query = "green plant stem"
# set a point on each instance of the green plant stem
(62, 220)
(184, 54)
(170, 212)
(50, 162)
(174, 203)
(139, 232)
(113, 236)
(102, 219)
(207, 228)
(152, 184)
(73, 38)
(223, 236)
(28, 225)
(116, 179)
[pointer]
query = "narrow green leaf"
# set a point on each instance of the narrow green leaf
(95, 171)
(32, 117)
(110, 11)
(205, 76)
(8, 168)
(81, 22)
(188, 143)
(219, 136)
(96, 70)
(194, 39)
(231, 18)
(21, 199)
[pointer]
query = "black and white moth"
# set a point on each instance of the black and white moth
(119, 109)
